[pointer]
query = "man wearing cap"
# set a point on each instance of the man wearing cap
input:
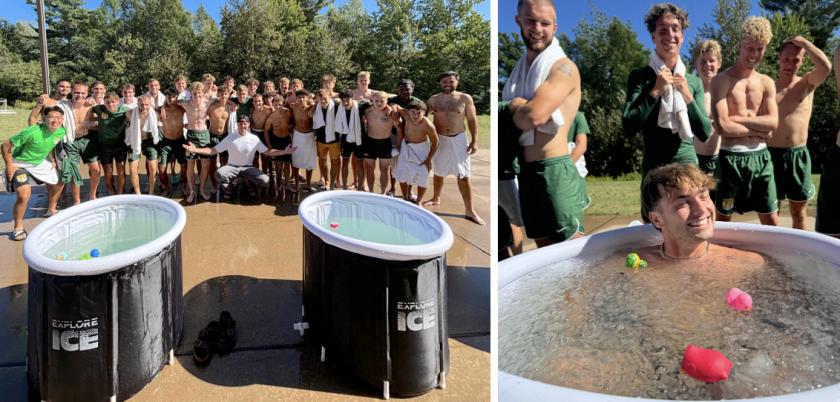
(450, 109)
(241, 150)
(28, 162)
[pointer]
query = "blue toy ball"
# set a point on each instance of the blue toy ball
(94, 253)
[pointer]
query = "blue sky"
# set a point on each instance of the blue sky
(18, 10)
(570, 12)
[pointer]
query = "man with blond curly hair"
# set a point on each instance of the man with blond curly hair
(746, 114)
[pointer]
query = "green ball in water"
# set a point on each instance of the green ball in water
(85, 257)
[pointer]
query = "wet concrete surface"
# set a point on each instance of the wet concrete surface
(247, 258)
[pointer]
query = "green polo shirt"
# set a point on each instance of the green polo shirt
(641, 112)
(34, 143)
(111, 124)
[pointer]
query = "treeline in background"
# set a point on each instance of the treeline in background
(130, 41)
(607, 50)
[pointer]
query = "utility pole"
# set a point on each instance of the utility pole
(45, 63)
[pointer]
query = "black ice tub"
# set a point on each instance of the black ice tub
(102, 328)
(374, 288)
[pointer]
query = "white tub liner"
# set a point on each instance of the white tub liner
(325, 206)
(818, 246)
(103, 212)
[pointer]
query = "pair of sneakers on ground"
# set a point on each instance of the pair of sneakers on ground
(217, 337)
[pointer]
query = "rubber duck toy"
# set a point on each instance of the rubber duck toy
(705, 364)
(61, 256)
(738, 300)
(634, 261)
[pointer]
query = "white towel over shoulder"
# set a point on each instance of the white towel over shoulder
(69, 120)
(134, 132)
(673, 113)
(352, 128)
(524, 81)
(329, 125)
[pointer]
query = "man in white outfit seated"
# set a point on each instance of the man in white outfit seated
(241, 150)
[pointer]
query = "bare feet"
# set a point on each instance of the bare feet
(206, 196)
(431, 202)
(190, 197)
(474, 218)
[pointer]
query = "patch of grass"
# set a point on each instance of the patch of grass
(620, 196)
(11, 124)
(484, 131)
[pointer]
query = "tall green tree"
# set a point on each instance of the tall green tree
(605, 52)
(821, 16)
(728, 17)
(207, 46)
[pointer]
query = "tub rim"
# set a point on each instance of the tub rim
(36, 259)
(516, 388)
(384, 251)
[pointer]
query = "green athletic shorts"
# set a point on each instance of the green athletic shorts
(549, 193)
(708, 163)
(746, 183)
(150, 150)
(828, 202)
(792, 172)
(88, 147)
(201, 139)
(172, 150)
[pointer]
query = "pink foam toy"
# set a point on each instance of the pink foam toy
(739, 300)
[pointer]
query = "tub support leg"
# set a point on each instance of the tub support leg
(442, 380)
(171, 357)
(323, 354)
(386, 391)
(113, 398)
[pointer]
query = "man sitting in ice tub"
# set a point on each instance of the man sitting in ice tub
(241, 150)
(676, 200)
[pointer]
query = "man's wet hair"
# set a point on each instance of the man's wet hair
(416, 104)
(301, 92)
(171, 91)
(449, 73)
(345, 94)
(671, 177)
(658, 10)
(406, 81)
(49, 109)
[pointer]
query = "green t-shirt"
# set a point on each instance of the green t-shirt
(244, 108)
(578, 126)
(34, 143)
(111, 125)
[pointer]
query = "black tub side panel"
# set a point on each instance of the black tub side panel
(416, 320)
(143, 333)
(69, 351)
(383, 320)
(149, 313)
(355, 314)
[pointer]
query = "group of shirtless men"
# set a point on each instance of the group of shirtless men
(739, 125)
(327, 129)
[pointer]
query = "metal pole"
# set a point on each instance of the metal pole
(45, 64)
